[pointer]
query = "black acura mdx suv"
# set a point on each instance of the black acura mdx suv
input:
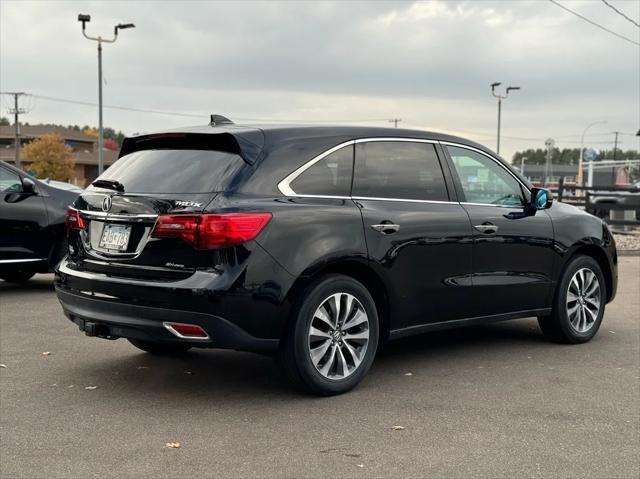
(321, 243)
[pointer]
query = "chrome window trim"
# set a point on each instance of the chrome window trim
(27, 260)
(396, 139)
(285, 185)
(499, 162)
(406, 200)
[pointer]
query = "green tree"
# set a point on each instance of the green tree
(49, 157)
(4, 121)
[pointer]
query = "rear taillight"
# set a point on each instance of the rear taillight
(73, 220)
(207, 231)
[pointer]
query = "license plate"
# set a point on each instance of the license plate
(115, 237)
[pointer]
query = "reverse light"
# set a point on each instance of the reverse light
(208, 231)
(73, 219)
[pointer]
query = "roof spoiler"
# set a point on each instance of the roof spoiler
(219, 120)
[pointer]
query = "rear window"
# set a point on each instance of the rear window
(175, 171)
(398, 170)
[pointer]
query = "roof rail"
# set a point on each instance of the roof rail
(219, 120)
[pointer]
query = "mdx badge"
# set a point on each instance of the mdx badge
(187, 204)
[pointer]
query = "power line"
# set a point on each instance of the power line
(621, 13)
(594, 23)
(198, 115)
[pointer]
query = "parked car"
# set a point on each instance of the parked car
(63, 185)
(319, 244)
(33, 237)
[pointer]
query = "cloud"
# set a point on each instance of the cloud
(427, 62)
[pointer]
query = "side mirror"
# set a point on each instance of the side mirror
(541, 198)
(28, 186)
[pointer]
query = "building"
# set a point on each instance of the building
(84, 148)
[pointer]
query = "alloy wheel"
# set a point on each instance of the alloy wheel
(583, 300)
(338, 336)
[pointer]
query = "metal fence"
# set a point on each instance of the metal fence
(617, 205)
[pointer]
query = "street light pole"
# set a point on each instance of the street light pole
(579, 179)
(84, 19)
(500, 98)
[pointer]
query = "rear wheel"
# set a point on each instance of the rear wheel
(160, 349)
(17, 276)
(332, 338)
(579, 303)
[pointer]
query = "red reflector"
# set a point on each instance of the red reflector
(73, 220)
(209, 231)
(187, 330)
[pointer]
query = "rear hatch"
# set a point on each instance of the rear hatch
(116, 216)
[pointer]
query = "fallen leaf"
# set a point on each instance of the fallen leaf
(360, 465)
(612, 332)
(3, 366)
(91, 388)
(46, 353)
(70, 386)
(398, 428)
(173, 445)
(408, 374)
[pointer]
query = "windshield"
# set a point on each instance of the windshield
(175, 171)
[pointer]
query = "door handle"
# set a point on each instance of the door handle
(386, 228)
(487, 228)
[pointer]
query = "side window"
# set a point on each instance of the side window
(331, 176)
(9, 182)
(483, 180)
(398, 169)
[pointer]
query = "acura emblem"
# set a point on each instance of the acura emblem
(106, 203)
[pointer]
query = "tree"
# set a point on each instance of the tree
(49, 157)
(4, 121)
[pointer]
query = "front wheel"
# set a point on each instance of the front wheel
(160, 349)
(579, 303)
(332, 338)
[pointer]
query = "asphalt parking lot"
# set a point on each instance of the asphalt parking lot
(492, 401)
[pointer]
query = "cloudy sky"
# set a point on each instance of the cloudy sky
(429, 63)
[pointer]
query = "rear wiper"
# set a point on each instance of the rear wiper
(111, 184)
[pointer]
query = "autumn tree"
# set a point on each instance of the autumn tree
(49, 157)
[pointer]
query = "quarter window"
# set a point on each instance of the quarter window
(398, 170)
(9, 182)
(330, 176)
(483, 180)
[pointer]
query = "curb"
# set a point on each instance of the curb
(629, 252)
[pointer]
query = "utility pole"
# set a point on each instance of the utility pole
(17, 111)
(615, 145)
(395, 121)
(500, 98)
(548, 171)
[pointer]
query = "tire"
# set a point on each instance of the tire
(348, 351)
(576, 321)
(17, 276)
(160, 349)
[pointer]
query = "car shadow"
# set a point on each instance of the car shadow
(221, 376)
(37, 284)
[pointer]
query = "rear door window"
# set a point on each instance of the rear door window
(330, 176)
(175, 171)
(398, 170)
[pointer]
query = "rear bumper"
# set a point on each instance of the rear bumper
(112, 320)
